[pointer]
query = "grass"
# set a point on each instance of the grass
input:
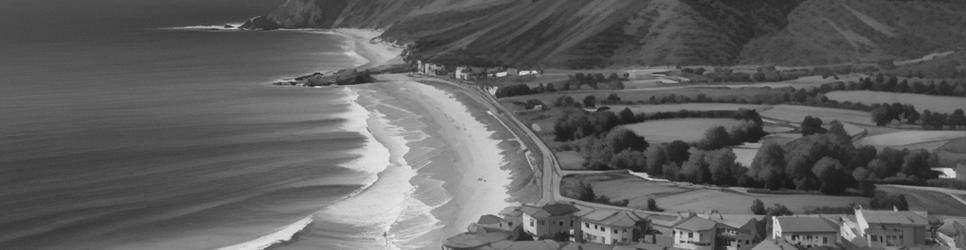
(732, 202)
(929, 140)
(644, 95)
(688, 130)
(795, 113)
(929, 201)
(952, 153)
(570, 160)
(942, 104)
(646, 108)
(680, 197)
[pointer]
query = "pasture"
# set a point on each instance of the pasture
(734, 202)
(930, 201)
(646, 108)
(795, 113)
(942, 104)
(688, 130)
(929, 140)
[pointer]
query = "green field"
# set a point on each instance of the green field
(647, 108)
(680, 197)
(942, 104)
(952, 153)
(570, 160)
(688, 130)
(929, 201)
(644, 95)
(795, 113)
(929, 140)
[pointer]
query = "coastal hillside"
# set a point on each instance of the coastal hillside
(586, 34)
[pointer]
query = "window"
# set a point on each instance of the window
(587, 225)
(625, 230)
(615, 230)
(561, 223)
(571, 223)
(531, 222)
(794, 237)
(824, 240)
(690, 234)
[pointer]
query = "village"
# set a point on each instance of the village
(558, 222)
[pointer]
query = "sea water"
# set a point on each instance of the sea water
(122, 126)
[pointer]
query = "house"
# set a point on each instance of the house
(736, 232)
(611, 227)
(770, 244)
(532, 73)
(892, 229)
(512, 217)
(695, 233)
(427, 68)
(805, 231)
(549, 221)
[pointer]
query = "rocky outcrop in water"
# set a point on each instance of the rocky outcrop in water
(260, 23)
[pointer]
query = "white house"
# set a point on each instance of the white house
(805, 231)
(736, 232)
(695, 233)
(611, 227)
(428, 68)
(550, 220)
(892, 229)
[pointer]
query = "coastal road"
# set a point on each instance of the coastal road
(549, 168)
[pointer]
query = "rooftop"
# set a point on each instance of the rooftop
(769, 244)
(806, 224)
(556, 209)
(470, 240)
(489, 219)
(894, 217)
(695, 224)
(613, 218)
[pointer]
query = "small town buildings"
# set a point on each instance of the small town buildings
(533, 73)
(611, 227)
(770, 244)
(805, 231)
(427, 68)
(892, 229)
(512, 217)
(695, 233)
(549, 221)
(736, 232)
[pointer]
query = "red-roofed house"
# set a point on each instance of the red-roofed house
(806, 231)
(549, 221)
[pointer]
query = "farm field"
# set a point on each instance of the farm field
(929, 140)
(942, 104)
(570, 160)
(688, 130)
(930, 201)
(795, 113)
(952, 153)
(679, 197)
(647, 108)
(644, 95)
(733, 202)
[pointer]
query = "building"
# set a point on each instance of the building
(512, 217)
(549, 221)
(427, 68)
(695, 233)
(770, 244)
(892, 229)
(736, 232)
(611, 227)
(805, 231)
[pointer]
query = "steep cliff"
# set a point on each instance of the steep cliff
(585, 33)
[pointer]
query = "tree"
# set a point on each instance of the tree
(652, 205)
(917, 163)
(671, 171)
(958, 118)
(881, 115)
(758, 207)
(778, 210)
(769, 165)
(696, 169)
(812, 125)
(715, 138)
(656, 157)
(630, 160)
(678, 151)
(831, 174)
(627, 116)
(621, 139)
(721, 164)
(590, 101)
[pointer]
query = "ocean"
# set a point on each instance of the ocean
(121, 129)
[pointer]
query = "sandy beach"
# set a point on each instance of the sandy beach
(468, 152)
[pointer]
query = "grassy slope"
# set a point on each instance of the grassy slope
(833, 31)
